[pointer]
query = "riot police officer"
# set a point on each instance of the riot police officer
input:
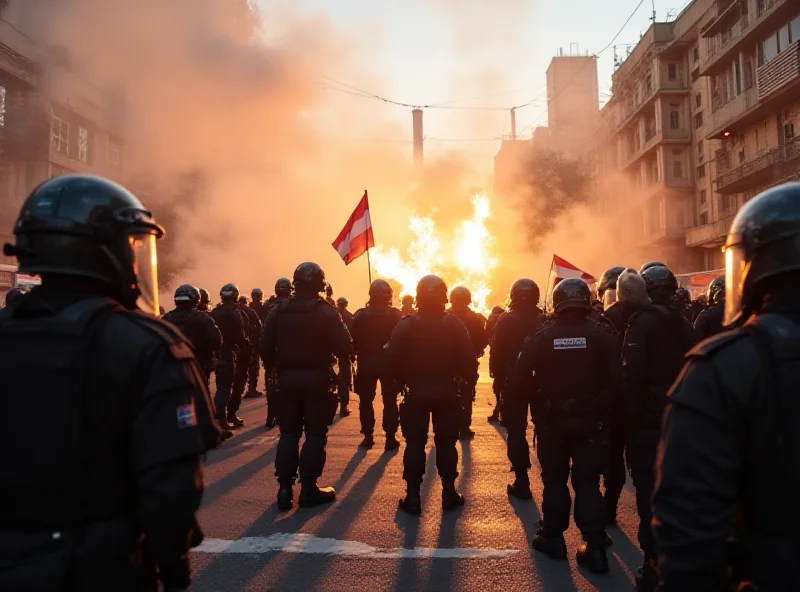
(428, 352)
(198, 328)
(698, 306)
(105, 497)
(329, 295)
(730, 450)
(607, 286)
(709, 322)
(261, 309)
(347, 316)
(372, 329)
(283, 291)
(229, 320)
(491, 321)
(257, 303)
(407, 305)
(460, 299)
(523, 318)
(683, 303)
(245, 358)
(205, 301)
(655, 343)
(569, 373)
(301, 337)
(650, 264)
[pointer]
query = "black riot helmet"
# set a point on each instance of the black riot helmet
(608, 281)
(229, 293)
(407, 300)
(273, 299)
(187, 295)
(715, 292)
(283, 288)
(257, 295)
(650, 264)
(342, 301)
(661, 284)
(89, 227)
(522, 291)
(380, 292)
(431, 293)
(460, 297)
(498, 310)
(242, 300)
(205, 297)
(763, 242)
(14, 295)
(572, 294)
(309, 279)
(683, 296)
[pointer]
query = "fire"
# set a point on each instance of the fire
(463, 259)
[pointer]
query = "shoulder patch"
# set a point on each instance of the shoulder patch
(178, 346)
(708, 346)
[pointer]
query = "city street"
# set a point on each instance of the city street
(362, 541)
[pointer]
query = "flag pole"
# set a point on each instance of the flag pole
(369, 268)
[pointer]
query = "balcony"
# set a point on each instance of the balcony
(768, 165)
(726, 114)
(724, 45)
(652, 139)
(778, 73)
(630, 111)
(709, 235)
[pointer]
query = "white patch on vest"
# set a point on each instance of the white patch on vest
(570, 343)
(310, 544)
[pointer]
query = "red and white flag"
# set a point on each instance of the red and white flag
(562, 269)
(356, 238)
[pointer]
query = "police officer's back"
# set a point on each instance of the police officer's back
(123, 412)
(233, 328)
(302, 337)
(491, 321)
(709, 321)
(429, 351)
(257, 303)
(569, 372)
(246, 358)
(197, 327)
(731, 455)
(522, 319)
(205, 301)
(283, 291)
(683, 303)
(655, 343)
(407, 305)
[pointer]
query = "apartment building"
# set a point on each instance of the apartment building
(48, 127)
(702, 118)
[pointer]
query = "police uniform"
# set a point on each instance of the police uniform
(476, 327)
(709, 322)
(246, 357)
(234, 338)
(270, 377)
(202, 333)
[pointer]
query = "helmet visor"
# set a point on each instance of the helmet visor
(735, 267)
(609, 298)
(145, 266)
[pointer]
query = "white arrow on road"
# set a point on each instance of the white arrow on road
(308, 543)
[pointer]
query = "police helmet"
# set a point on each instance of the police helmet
(407, 300)
(273, 299)
(683, 295)
(460, 297)
(498, 310)
(342, 301)
(283, 288)
(14, 295)
(205, 298)
(661, 284)
(650, 264)
(309, 278)
(257, 295)
(762, 244)
(380, 291)
(715, 292)
(229, 293)
(608, 281)
(431, 291)
(89, 227)
(523, 290)
(242, 299)
(572, 294)
(187, 295)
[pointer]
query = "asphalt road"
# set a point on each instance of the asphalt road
(363, 542)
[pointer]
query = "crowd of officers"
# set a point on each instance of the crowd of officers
(107, 499)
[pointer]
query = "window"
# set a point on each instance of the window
(701, 171)
(747, 74)
(794, 29)
(783, 37)
(738, 76)
(698, 100)
(696, 54)
(677, 169)
(674, 120)
(788, 132)
(700, 147)
(60, 136)
(698, 120)
(83, 144)
(113, 152)
(727, 203)
(703, 218)
(672, 72)
(703, 196)
(769, 49)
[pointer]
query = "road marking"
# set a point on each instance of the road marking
(308, 543)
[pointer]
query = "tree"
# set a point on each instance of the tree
(549, 183)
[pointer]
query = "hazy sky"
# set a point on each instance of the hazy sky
(433, 51)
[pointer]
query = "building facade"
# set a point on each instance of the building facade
(572, 101)
(702, 118)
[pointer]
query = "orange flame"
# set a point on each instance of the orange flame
(464, 259)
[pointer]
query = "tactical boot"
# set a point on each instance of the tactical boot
(647, 577)
(285, 497)
(311, 495)
(412, 502)
(270, 423)
(553, 546)
(451, 499)
(344, 411)
(521, 487)
(368, 441)
(235, 420)
(592, 556)
(225, 424)
(391, 442)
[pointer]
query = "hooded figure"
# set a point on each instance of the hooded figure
(631, 295)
